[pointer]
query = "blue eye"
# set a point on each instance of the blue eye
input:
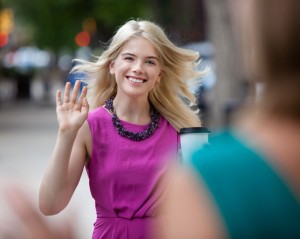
(150, 62)
(128, 58)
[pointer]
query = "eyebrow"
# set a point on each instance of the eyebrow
(149, 57)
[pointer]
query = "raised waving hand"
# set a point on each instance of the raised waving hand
(72, 110)
(68, 158)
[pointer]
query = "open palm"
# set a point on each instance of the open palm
(71, 112)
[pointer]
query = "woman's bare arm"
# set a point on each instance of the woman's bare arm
(69, 155)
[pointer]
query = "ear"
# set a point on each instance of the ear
(159, 77)
(112, 67)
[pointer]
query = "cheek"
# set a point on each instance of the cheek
(120, 68)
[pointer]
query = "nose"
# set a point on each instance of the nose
(138, 67)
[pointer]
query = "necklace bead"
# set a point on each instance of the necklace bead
(153, 125)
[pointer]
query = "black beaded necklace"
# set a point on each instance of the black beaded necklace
(128, 134)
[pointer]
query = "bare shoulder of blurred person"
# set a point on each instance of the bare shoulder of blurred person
(182, 216)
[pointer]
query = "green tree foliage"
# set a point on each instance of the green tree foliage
(55, 23)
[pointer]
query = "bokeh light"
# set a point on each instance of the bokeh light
(3, 39)
(83, 38)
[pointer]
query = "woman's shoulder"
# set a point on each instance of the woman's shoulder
(163, 122)
(99, 112)
(98, 117)
(96, 110)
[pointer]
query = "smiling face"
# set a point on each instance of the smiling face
(136, 68)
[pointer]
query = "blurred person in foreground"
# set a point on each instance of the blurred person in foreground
(21, 219)
(247, 185)
(124, 131)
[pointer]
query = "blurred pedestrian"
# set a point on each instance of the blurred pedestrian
(25, 221)
(136, 92)
(73, 77)
(247, 185)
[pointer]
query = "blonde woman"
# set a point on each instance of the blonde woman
(124, 132)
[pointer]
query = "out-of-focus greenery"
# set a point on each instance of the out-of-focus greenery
(55, 23)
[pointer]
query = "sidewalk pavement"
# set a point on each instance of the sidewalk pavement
(27, 137)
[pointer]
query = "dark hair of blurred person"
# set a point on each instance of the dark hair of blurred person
(277, 39)
(247, 185)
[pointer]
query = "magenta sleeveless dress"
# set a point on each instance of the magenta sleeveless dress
(124, 176)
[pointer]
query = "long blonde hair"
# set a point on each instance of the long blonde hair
(171, 96)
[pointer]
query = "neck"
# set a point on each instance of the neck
(279, 140)
(148, 132)
(133, 110)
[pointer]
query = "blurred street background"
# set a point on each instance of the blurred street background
(27, 136)
(39, 39)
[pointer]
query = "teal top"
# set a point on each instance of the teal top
(252, 198)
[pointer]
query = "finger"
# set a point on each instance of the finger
(84, 91)
(85, 106)
(58, 97)
(83, 94)
(81, 97)
(67, 92)
(75, 91)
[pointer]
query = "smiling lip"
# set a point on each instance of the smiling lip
(135, 80)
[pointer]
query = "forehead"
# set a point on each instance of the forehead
(139, 46)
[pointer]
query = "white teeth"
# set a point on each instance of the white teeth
(135, 80)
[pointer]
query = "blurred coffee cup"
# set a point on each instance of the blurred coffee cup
(191, 139)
